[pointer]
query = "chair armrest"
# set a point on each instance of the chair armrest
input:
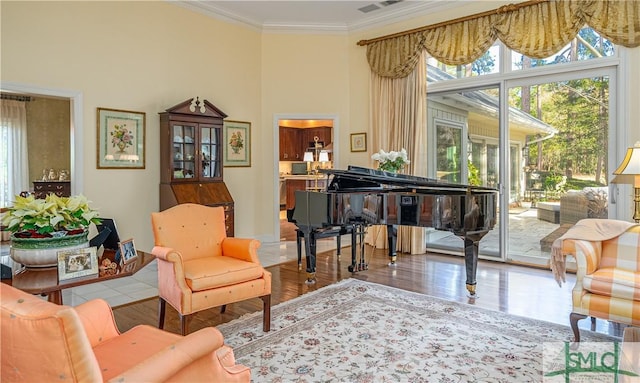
(167, 254)
(98, 321)
(175, 358)
(245, 249)
(587, 255)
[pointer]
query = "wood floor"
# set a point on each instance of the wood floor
(512, 289)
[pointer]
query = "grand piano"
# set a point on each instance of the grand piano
(358, 197)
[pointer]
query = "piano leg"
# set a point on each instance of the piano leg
(471, 248)
(392, 234)
(354, 243)
(310, 250)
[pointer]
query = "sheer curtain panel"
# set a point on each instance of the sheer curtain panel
(14, 172)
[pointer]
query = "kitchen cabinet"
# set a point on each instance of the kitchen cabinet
(191, 158)
(292, 186)
(295, 141)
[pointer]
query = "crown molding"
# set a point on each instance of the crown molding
(389, 16)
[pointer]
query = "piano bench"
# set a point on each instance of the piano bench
(320, 234)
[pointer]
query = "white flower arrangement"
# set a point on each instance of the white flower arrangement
(391, 161)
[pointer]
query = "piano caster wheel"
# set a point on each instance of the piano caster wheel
(471, 292)
(350, 268)
(311, 279)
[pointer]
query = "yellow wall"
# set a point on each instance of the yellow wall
(149, 56)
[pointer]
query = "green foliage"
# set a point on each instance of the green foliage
(474, 174)
(578, 184)
(50, 214)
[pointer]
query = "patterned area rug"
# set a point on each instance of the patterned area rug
(355, 331)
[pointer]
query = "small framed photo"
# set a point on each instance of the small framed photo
(128, 252)
(236, 136)
(359, 142)
(121, 139)
(77, 263)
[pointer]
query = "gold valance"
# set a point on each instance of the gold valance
(536, 29)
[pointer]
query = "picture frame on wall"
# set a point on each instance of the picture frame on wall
(236, 136)
(359, 142)
(121, 139)
(77, 263)
(128, 252)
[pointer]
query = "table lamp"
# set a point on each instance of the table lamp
(324, 157)
(631, 166)
(308, 158)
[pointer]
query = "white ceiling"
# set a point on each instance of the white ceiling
(328, 15)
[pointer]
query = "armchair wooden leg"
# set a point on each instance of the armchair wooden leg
(183, 324)
(593, 323)
(162, 305)
(573, 319)
(223, 308)
(266, 308)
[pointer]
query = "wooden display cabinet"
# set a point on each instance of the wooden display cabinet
(191, 158)
(59, 188)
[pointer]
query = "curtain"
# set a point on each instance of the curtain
(536, 30)
(14, 171)
(398, 117)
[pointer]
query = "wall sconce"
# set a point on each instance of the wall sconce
(631, 166)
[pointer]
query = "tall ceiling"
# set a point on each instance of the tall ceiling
(327, 15)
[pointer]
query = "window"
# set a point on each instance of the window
(547, 118)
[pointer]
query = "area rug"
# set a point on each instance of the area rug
(356, 331)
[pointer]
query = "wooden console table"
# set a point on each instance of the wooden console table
(44, 281)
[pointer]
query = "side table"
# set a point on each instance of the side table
(44, 281)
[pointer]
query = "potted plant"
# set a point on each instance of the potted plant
(42, 227)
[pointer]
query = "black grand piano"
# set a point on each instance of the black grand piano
(358, 197)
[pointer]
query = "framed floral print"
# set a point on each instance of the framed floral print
(236, 136)
(121, 139)
(359, 142)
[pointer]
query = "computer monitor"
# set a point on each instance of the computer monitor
(112, 241)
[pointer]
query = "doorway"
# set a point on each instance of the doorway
(75, 129)
(295, 135)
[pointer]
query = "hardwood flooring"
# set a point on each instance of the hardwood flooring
(512, 289)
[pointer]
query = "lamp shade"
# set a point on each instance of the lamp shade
(631, 162)
(324, 156)
(308, 157)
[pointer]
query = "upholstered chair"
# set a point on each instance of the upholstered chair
(45, 342)
(199, 267)
(607, 279)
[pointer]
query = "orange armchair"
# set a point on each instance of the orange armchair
(199, 267)
(45, 342)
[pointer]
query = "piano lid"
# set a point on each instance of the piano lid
(356, 177)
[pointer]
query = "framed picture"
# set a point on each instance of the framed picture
(77, 263)
(121, 137)
(128, 251)
(236, 136)
(359, 142)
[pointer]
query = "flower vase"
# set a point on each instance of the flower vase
(43, 252)
(121, 147)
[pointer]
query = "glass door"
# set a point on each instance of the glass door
(560, 173)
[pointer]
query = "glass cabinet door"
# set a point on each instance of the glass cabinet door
(184, 151)
(210, 151)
